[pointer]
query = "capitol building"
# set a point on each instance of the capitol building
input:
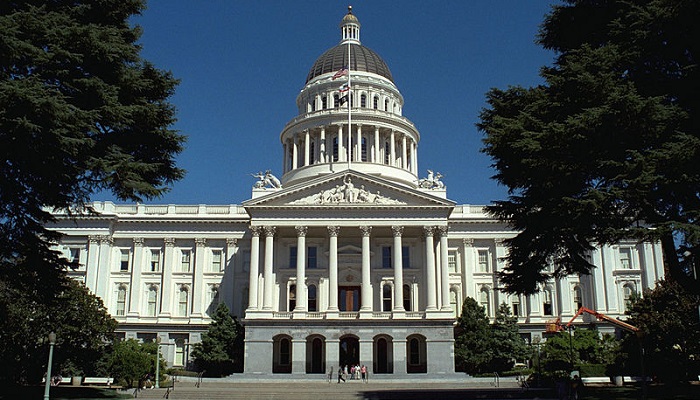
(354, 255)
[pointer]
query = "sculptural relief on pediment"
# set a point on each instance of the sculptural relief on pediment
(346, 193)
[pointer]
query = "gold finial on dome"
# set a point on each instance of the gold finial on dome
(349, 9)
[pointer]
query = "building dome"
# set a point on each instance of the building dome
(361, 59)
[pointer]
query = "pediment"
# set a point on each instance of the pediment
(347, 189)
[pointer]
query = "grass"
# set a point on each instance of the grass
(654, 392)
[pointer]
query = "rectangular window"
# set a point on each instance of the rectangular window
(216, 256)
(124, 260)
(155, 260)
(483, 261)
(293, 257)
(386, 257)
(152, 297)
(121, 301)
(246, 260)
(547, 303)
(626, 258)
(452, 262)
(185, 260)
(75, 255)
(311, 257)
(405, 257)
(182, 303)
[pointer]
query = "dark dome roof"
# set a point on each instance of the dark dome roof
(363, 59)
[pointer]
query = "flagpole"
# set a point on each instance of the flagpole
(349, 112)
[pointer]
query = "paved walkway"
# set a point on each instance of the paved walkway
(351, 390)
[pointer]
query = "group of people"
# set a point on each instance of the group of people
(353, 372)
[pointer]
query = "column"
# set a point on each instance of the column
(267, 277)
(333, 269)
(431, 303)
(366, 276)
(501, 254)
(92, 265)
(136, 268)
(414, 158)
(610, 285)
(392, 147)
(254, 267)
(358, 146)
(647, 265)
(198, 277)
(404, 152)
(598, 287)
(167, 287)
(295, 152)
(397, 261)
(285, 156)
(229, 285)
(341, 145)
(444, 270)
(105, 265)
(307, 146)
(376, 153)
(468, 268)
(322, 145)
(301, 269)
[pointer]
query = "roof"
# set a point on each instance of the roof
(361, 57)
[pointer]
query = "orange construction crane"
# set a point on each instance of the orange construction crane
(603, 317)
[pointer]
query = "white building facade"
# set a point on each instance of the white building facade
(349, 258)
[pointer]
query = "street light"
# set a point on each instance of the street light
(158, 362)
(52, 342)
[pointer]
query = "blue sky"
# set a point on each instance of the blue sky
(243, 62)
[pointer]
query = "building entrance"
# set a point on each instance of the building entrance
(349, 298)
(349, 351)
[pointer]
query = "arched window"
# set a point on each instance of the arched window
(386, 105)
(386, 298)
(577, 299)
(547, 301)
(152, 301)
(313, 104)
(281, 354)
(312, 298)
(629, 291)
(416, 357)
(214, 297)
(292, 298)
(375, 103)
(363, 152)
(336, 101)
(515, 304)
(324, 102)
(121, 300)
(182, 302)
(363, 100)
(484, 299)
(407, 297)
(454, 303)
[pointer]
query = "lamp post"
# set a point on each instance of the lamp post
(158, 362)
(52, 342)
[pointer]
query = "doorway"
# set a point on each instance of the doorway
(349, 350)
(349, 298)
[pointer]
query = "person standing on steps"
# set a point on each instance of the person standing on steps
(340, 374)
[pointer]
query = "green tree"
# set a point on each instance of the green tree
(607, 146)
(80, 112)
(129, 361)
(581, 347)
(79, 319)
(473, 341)
(668, 319)
(220, 351)
(508, 347)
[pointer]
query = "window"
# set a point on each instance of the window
(312, 298)
(387, 152)
(246, 260)
(324, 102)
(185, 261)
(547, 301)
(407, 297)
(363, 151)
(121, 300)
(452, 262)
(74, 255)
(155, 260)
(386, 298)
(124, 260)
(313, 104)
(484, 300)
(483, 261)
(311, 257)
(152, 298)
(182, 302)
(292, 298)
(453, 303)
(179, 352)
(335, 148)
(578, 302)
(293, 257)
(312, 152)
(214, 297)
(386, 105)
(414, 357)
(363, 100)
(405, 257)
(285, 352)
(515, 305)
(626, 258)
(216, 256)
(386, 257)
(375, 104)
(629, 291)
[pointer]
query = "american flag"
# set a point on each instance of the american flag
(344, 88)
(341, 72)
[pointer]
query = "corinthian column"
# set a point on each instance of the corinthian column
(254, 268)
(333, 268)
(301, 269)
(430, 268)
(267, 278)
(397, 260)
(366, 288)
(444, 271)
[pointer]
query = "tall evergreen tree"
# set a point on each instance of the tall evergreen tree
(473, 340)
(608, 146)
(220, 351)
(508, 346)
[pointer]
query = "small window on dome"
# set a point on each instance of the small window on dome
(376, 102)
(386, 105)
(324, 102)
(363, 101)
(336, 101)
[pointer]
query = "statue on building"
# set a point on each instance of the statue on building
(266, 180)
(432, 181)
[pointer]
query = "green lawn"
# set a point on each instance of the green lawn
(654, 392)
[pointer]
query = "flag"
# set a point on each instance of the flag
(341, 72)
(343, 99)
(344, 88)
